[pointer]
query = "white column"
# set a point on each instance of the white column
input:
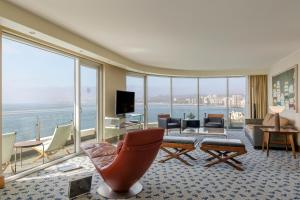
(145, 102)
(227, 101)
(99, 96)
(77, 105)
(198, 99)
(171, 96)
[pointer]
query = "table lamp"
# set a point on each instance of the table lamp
(276, 110)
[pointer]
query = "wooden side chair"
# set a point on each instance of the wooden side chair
(224, 151)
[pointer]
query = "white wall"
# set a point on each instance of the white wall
(281, 66)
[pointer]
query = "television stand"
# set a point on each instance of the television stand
(119, 125)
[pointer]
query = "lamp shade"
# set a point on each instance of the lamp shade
(276, 109)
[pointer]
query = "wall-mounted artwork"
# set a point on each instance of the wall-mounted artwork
(284, 89)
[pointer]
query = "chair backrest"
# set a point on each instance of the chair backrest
(8, 141)
(215, 116)
(162, 115)
(137, 153)
(60, 137)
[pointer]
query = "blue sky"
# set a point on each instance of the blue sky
(33, 75)
(188, 86)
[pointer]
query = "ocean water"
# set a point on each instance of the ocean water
(23, 118)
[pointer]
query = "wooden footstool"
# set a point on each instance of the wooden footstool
(180, 145)
(224, 150)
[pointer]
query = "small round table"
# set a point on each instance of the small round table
(25, 144)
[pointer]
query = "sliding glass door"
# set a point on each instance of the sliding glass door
(213, 97)
(159, 97)
(136, 84)
(38, 99)
(89, 105)
(47, 97)
(236, 101)
(184, 98)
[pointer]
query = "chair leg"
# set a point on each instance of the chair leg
(224, 159)
(39, 157)
(67, 151)
(177, 155)
(12, 168)
(4, 166)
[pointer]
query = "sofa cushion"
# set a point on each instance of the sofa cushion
(179, 139)
(223, 142)
(283, 121)
(267, 119)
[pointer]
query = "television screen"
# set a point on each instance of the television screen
(124, 102)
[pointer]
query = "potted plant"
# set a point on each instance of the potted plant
(190, 116)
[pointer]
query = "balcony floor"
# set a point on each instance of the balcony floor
(28, 159)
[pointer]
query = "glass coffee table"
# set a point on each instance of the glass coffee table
(209, 132)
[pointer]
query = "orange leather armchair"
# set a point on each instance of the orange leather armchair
(121, 167)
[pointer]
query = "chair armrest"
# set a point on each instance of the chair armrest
(254, 121)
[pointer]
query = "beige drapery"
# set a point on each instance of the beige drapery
(258, 95)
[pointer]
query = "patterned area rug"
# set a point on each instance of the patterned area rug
(275, 177)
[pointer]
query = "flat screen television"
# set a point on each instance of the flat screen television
(124, 102)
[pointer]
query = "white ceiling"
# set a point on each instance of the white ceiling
(182, 34)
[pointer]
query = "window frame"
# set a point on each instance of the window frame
(78, 59)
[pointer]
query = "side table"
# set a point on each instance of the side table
(287, 132)
(190, 123)
(26, 144)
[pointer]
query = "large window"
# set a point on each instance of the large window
(136, 84)
(236, 101)
(213, 97)
(184, 98)
(159, 98)
(88, 117)
(192, 97)
(38, 97)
